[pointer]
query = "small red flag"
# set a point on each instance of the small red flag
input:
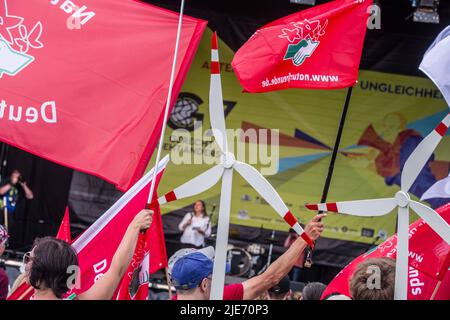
(64, 228)
(318, 48)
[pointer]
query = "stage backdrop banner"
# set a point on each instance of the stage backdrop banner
(389, 114)
(85, 86)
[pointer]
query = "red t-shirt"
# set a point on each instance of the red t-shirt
(231, 292)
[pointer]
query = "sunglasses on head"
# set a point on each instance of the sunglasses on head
(27, 258)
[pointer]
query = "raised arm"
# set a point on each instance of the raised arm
(256, 286)
(105, 287)
(28, 193)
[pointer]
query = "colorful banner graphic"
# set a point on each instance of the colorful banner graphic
(388, 116)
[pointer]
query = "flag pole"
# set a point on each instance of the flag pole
(168, 104)
(164, 124)
(169, 283)
(326, 187)
(5, 214)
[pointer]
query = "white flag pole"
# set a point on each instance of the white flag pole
(168, 104)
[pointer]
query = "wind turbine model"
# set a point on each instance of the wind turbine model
(402, 200)
(224, 170)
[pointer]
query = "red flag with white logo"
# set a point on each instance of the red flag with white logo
(429, 261)
(86, 86)
(318, 48)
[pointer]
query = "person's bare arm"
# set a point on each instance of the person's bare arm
(5, 189)
(255, 286)
(28, 193)
(13, 180)
(105, 287)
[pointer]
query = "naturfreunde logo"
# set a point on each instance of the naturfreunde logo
(303, 38)
(17, 38)
(258, 147)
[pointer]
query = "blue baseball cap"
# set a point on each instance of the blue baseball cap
(190, 267)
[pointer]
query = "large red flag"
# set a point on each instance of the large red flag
(429, 261)
(86, 86)
(97, 245)
(149, 256)
(318, 48)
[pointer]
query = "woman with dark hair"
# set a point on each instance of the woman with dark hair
(48, 265)
(195, 226)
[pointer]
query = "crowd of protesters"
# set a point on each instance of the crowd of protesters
(190, 270)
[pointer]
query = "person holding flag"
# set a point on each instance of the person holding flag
(191, 270)
(48, 265)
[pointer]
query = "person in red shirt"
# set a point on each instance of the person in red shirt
(4, 282)
(191, 270)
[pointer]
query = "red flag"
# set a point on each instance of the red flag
(318, 48)
(150, 255)
(25, 291)
(429, 260)
(134, 285)
(157, 247)
(97, 245)
(86, 86)
(64, 228)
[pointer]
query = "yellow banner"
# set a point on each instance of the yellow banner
(388, 115)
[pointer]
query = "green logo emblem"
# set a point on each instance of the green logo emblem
(300, 51)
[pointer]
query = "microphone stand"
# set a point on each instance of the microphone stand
(272, 238)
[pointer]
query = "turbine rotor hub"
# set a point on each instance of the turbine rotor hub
(402, 199)
(228, 160)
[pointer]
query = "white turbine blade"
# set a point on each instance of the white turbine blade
(419, 157)
(220, 258)
(434, 220)
(216, 112)
(265, 189)
(362, 208)
(440, 189)
(401, 264)
(194, 186)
